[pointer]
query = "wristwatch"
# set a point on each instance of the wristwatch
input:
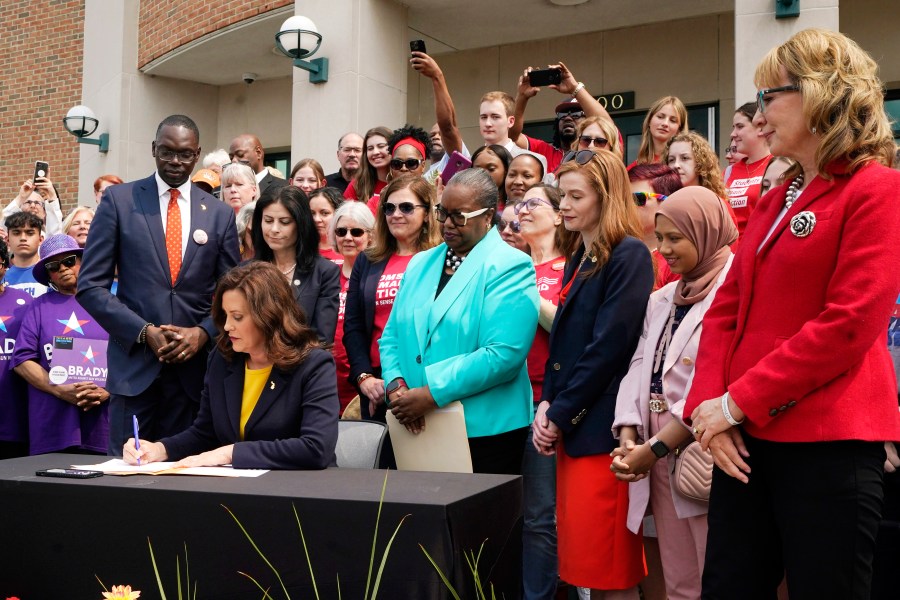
(659, 447)
(392, 387)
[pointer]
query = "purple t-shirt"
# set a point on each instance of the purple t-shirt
(13, 405)
(52, 423)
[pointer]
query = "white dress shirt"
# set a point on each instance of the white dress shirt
(184, 202)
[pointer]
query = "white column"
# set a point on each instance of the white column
(756, 31)
(366, 44)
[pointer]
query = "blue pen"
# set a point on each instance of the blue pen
(137, 438)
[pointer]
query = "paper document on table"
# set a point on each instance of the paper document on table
(117, 466)
(443, 446)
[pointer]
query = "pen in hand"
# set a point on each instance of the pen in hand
(137, 439)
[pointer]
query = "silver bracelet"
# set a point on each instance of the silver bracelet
(725, 410)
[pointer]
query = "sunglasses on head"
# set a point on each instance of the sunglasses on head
(54, 265)
(354, 231)
(585, 141)
(640, 198)
(410, 163)
(514, 225)
(407, 208)
(582, 157)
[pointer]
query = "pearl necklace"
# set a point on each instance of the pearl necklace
(287, 272)
(793, 191)
(453, 260)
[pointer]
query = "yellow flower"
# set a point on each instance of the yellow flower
(122, 592)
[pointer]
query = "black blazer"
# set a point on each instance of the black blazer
(270, 181)
(318, 294)
(359, 314)
(592, 340)
(293, 426)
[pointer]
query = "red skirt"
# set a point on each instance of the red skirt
(596, 550)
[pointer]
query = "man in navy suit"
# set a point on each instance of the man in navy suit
(170, 242)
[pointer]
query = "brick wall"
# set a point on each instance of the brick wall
(41, 51)
(167, 25)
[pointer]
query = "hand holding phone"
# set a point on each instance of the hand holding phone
(545, 77)
(41, 169)
(417, 46)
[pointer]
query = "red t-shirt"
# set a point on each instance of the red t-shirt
(664, 274)
(335, 257)
(346, 392)
(388, 285)
(743, 188)
(372, 203)
(549, 283)
(553, 154)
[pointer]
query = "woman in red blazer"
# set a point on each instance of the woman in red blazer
(794, 391)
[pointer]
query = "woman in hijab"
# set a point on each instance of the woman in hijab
(694, 231)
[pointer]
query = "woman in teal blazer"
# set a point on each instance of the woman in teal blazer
(462, 325)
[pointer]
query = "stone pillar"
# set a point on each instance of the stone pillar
(366, 43)
(756, 31)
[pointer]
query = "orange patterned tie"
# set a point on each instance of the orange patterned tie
(173, 235)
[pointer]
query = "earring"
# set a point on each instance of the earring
(813, 131)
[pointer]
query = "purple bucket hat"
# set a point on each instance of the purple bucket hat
(54, 246)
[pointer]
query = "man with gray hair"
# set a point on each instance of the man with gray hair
(349, 155)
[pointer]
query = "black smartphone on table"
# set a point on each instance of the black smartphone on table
(545, 77)
(69, 473)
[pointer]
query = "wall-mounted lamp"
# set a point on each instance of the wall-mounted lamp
(81, 122)
(299, 39)
(786, 9)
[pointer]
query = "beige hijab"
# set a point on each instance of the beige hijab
(702, 218)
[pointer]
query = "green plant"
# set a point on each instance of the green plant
(374, 586)
(187, 576)
(471, 560)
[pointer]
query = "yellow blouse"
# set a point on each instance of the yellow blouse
(254, 382)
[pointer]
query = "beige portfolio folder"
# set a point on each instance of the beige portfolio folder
(442, 447)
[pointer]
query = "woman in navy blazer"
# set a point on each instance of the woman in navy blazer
(269, 399)
(606, 285)
(404, 225)
(285, 235)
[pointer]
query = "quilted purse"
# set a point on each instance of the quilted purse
(693, 472)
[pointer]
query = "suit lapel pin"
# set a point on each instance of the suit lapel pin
(803, 223)
(202, 207)
(271, 385)
(200, 237)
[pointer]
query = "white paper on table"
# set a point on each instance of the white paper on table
(117, 466)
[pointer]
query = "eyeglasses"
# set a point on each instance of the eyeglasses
(54, 265)
(573, 114)
(356, 232)
(167, 155)
(582, 157)
(530, 204)
(514, 225)
(585, 141)
(761, 95)
(406, 208)
(442, 215)
(640, 198)
(410, 163)
(35, 202)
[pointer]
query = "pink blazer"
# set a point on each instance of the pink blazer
(633, 401)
